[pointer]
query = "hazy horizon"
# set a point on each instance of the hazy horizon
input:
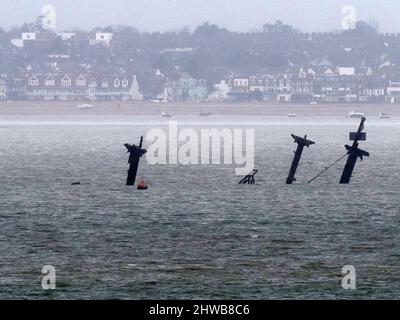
(159, 15)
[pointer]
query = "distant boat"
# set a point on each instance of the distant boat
(356, 115)
(292, 115)
(165, 114)
(384, 116)
(85, 106)
(205, 114)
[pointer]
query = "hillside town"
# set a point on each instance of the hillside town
(40, 63)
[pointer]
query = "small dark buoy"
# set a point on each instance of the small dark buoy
(76, 184)
(142, 185)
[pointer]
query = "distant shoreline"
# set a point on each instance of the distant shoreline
(150, 112)
(187, 104)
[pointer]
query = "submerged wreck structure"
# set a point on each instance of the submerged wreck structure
(301, 143)
(249, 179)
(136, 152)
(354, 153)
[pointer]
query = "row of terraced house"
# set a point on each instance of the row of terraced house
(326, 85)
(70, 87)
(329, 85)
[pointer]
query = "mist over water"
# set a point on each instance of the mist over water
(196, 233)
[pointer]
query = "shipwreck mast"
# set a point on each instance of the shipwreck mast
(301, 143)
(136, 152)
(354, 152)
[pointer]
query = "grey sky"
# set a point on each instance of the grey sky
(242, 15)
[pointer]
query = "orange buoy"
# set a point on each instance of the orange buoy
(142, 185)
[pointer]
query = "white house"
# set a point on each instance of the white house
(26, 36)
(284, 90)
(3, 89)
(393, 92)
(67, 36)
(256, 84)
(104, 38)
(241, 83)
(345, 71)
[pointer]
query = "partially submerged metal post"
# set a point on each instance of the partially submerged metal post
(249, 179)
(301, 143)
(136, 152)
(354, 152)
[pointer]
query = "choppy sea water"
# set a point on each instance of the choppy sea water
(196, 233)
